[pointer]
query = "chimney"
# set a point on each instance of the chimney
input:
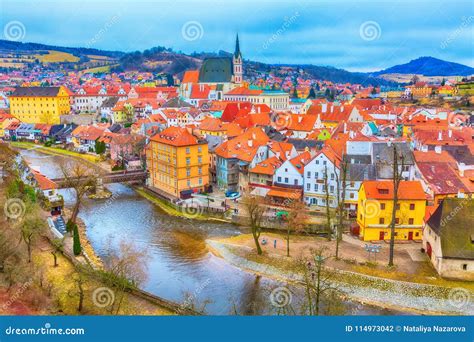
(250, 142)
(258, 109)
(450, 133)
(345, 127)
(300, 118)
(324, 107)
(437, 149)
(461, 167)
(278, 155)
(254, 136)
(238, 145)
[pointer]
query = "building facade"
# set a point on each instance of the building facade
(40, 104)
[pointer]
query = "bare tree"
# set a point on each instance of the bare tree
(254, 209)
(296, 220)
(328, 209)
(319, 283)
(80, 177)
(58, 247)
(125, 270)
(341, 200)
(398, 166)
(32, 226)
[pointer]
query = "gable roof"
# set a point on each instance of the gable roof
(216, 70)
(383, 190)
(453, 222)
(36, 91)
(175, 136)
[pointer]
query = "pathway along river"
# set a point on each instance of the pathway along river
(179, 261)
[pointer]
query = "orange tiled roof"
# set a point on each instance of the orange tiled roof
(175, 136)
(383, 190)
(267, 167)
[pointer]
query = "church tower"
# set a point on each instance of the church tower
(237, 62)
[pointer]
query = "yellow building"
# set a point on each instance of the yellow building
(40, 104)
(374, 210)
(178, 162)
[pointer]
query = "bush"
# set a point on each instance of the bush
(70, 226)
(76, 241)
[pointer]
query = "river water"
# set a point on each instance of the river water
(179, 263)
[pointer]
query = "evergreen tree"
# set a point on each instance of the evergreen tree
(312, 94)
(76, 241)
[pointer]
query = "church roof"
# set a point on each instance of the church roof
(216, 70)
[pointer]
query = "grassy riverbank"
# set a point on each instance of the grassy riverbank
(171, 210)
(54, 151)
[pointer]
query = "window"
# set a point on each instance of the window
(200, 170)
(296, 182)
(308, 174)
(381, 220)
(200, 181)
(199, 159)
(316, 175)
(279, 179)
(188, 172)
(464, 267)
(382, 206)
(188, 161)
(315, 187)
(331, 188)
(187, 150)
(286, 180)
(351, 195)
(411, 221)
(308, 187)
(324, 162)
(397, 220)
(332, 176)
(417, 234)
(317, 162)
(199, 149)
(189, 183)
(412, 206)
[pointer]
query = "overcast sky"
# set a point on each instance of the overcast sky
(355, 35)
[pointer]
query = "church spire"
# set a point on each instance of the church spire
(237, 47)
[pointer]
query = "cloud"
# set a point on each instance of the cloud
(325, 33)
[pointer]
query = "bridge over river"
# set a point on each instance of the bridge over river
(112, 177)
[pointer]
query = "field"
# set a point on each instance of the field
(56, 56)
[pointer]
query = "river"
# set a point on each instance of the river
(179, 262)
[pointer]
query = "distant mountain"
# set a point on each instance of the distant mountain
(428, 66)
(12, 46)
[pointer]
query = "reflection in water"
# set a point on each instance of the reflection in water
(179, 261)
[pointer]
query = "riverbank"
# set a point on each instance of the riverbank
(415, 298)
(172, 210)
(55, 151)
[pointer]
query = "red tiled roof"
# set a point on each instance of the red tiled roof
(383, 190)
